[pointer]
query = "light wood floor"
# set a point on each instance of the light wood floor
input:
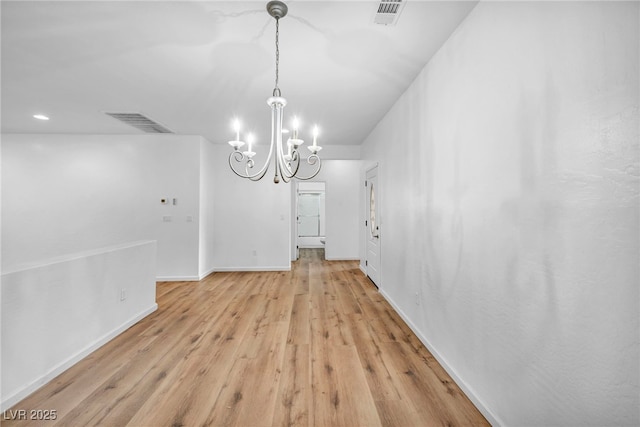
(317, 346)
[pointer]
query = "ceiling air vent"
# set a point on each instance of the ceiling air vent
(139, 121)
(388, 12)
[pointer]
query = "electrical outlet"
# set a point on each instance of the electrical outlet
(417, 298)
(123, 294)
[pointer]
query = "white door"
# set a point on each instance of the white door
(372, 223)
(310, 215)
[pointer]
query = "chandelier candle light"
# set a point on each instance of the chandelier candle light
(287, 163)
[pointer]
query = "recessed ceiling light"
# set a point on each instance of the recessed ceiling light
(40, 117)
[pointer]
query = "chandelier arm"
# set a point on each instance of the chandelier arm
(259, 175)
(239, 157)
(284, 169)
(285, 178)
(281, 174)
(288, 171)
(276, 133)
(312, 160)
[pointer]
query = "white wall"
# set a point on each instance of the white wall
(336, 152)
(342, 178)
(55, 313)
(340, 173)
(252, 220)
(342, 207)
(71, 193)
(207, 208)
(509, 176)
(71, 207)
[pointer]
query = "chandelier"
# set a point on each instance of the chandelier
(287, 162)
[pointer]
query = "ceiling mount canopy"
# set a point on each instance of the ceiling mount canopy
(287, 165)
(277, 9)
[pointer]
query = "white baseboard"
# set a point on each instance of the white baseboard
(206, 273)
(57, 370)
(492, 418)
(177, 278)
(287, 268)
(213, 270)
(341, 258)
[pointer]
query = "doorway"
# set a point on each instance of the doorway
(310, 215)
(372, 224)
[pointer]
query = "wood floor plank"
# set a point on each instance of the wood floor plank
(127, 389)
(187, 400)
(340, 395)
(248, 398)
(69, 389)
(317, 346)
(292, 404)
(379, 379)
(347, 300)
(299, 324)
(400, 413)
(327, 320)
(300, 277)
(440, 402)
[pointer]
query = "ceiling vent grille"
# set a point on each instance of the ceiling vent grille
(388, 12)
(140, 122)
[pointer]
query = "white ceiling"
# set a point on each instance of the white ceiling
(192, 66)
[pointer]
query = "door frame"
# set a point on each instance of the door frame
(295, 250)
(368, 169)
(295, 246)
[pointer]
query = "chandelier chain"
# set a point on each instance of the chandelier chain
(276, 90)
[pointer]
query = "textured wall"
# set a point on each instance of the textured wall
(509, 176)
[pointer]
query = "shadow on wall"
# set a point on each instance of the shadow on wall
(444, 258)
(533, 217)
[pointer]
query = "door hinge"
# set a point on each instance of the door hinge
(365, 183)
(366, 263)
(365, 223)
